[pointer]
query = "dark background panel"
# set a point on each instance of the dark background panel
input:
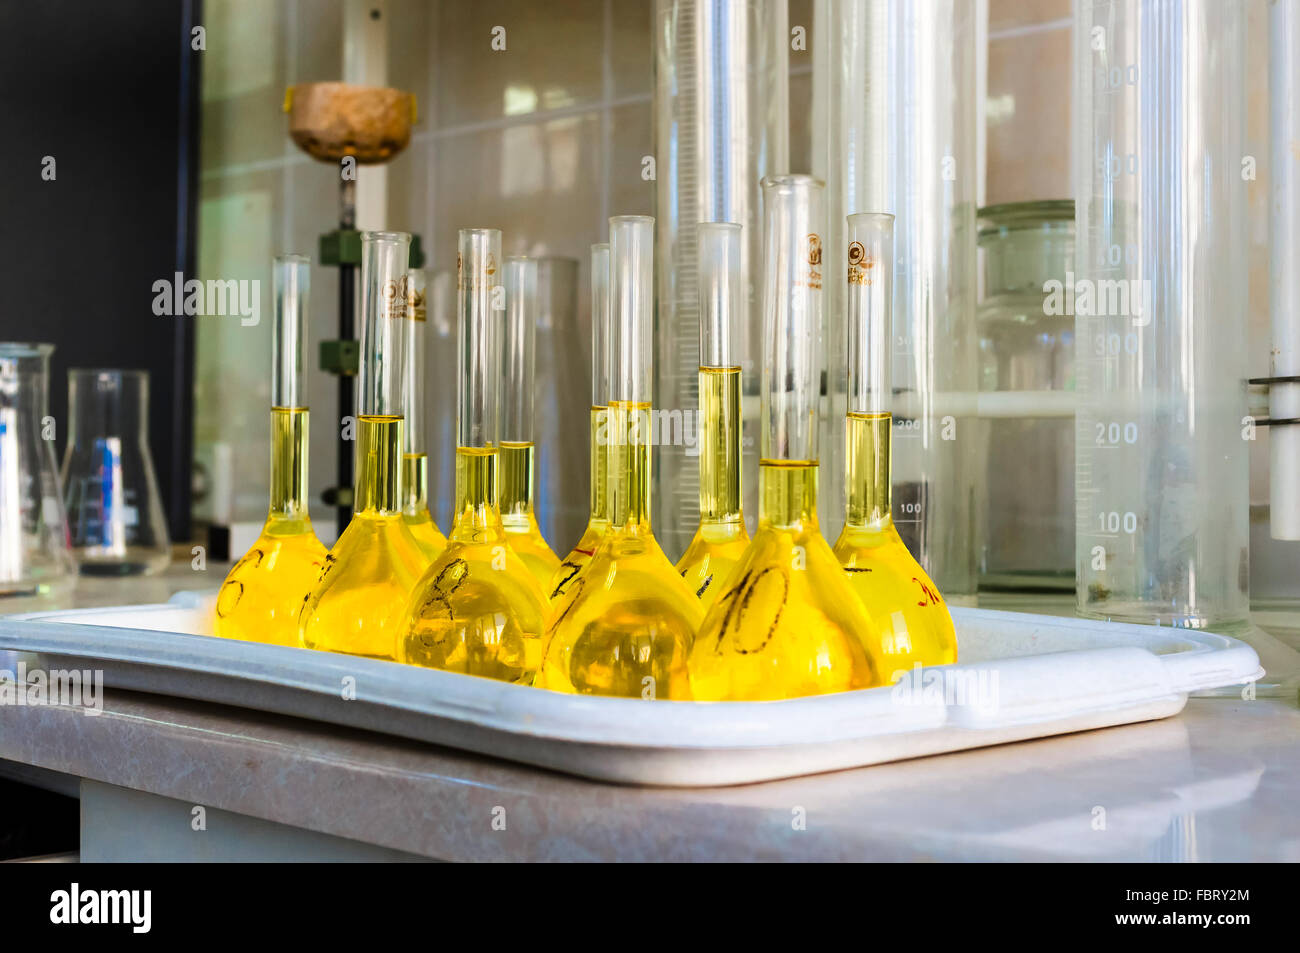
(110, 91)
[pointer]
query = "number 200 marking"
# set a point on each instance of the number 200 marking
(1110, 434)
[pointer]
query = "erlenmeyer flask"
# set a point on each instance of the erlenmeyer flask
(34, 557)
(115, 516)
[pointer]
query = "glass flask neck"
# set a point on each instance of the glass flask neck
(628, 483)
(415, 483)
(866, 470)
(720, 444)
(599, 464)
(476, 493)
(787, 494)
(289, 462)
(516, 472)
(378, 486)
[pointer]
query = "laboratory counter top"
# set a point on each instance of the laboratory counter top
(166, 778)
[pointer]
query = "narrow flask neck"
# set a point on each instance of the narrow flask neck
(867, 470)
(476, 492)
(378, 486)
(289, 429)
(719, 445)
(599, 464)
(788, 494)
(516, 473)
(415, 483)
(628, 483)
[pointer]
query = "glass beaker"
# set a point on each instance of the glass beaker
(1161, 491)
(115, 516)
(1026, 346)
(34, 557)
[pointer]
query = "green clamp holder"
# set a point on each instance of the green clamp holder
(340, 357)
(341, 247)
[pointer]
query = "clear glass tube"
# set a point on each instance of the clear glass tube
(443, 388)
(631, 304)
(385, 259)
(723, 294)
(721, 125)
(600, 382)
(415, 456)
(415, 352)
(478, 268)
(631, 353)
(870, 300)
(481, 296)
(793, 222)
(723, 310)
(291, 280)
(1161, 476)
(518, 350)
(600, 366)
(561, 382)
(894, 87)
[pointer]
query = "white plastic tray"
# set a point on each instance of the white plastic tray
(1021, 676)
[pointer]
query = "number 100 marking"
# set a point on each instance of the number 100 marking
(1112, 521)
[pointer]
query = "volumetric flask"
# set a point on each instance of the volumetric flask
(34, 557)
(115, 517)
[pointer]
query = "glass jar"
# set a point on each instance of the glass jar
(1025, 518)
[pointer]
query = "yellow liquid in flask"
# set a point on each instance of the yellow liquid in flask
(356, 606)
(518, 517)
(721, 538)
(263, 593)
(787, 623)
(476, 609)
(913, 623)
(415, 511)
(626, 624)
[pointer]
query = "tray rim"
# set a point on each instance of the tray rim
(522, 711)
